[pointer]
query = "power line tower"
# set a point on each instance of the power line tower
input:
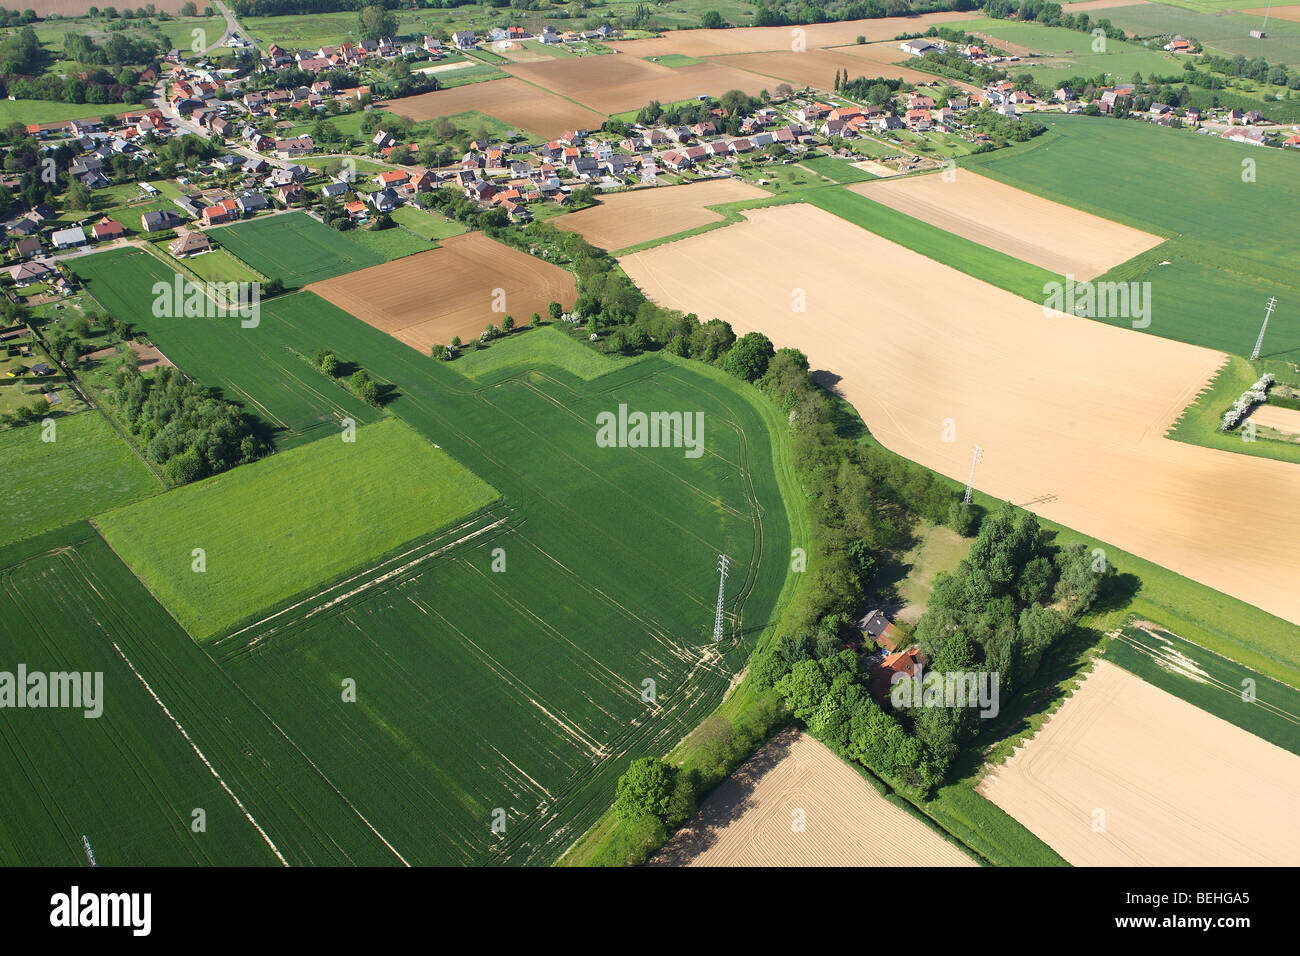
(1259, 342)
(976, 456)
(722, 587)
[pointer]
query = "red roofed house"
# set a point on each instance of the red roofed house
(225, 211)
(393, 177)
(107, 229)
(900, 664)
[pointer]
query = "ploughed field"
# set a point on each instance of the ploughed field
(1070, 412)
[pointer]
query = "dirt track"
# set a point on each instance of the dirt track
(625, 219)
(1178, 786)
(427, 298)
(750, 819)
(1059, 238)
(1070, 412)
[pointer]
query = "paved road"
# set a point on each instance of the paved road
(232, 27)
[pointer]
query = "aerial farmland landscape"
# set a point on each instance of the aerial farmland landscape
(690, 434)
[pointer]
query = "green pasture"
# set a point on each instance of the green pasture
(86, 469)
(281, 525)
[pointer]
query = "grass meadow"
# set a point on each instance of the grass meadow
(276, 527)
(832, 167)
(1199, 422)
(85, 470)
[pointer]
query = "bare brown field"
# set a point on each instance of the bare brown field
(146, 356)
(1070, 412)
(625, 219)
(78, 8)
(875, 168)
(1177, 786)
(1088, 5)
(1291, 13)
(886, 59)
(749, 820)
(1065, 240)
(509, 100)
(425, 299)
(1283, 419)
(614, 84)
(817, 68)
(759, 39)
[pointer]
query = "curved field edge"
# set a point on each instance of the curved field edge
(302, 516)
(957, 812)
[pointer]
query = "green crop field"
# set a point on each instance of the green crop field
(1219, 32)
(1071, 52)
(87, 468)
(295, 248)
(130, 781)
(1241, 696)
(1223, 262)
(280, 526)
(519, 685)
(498, 663)
(255, 367)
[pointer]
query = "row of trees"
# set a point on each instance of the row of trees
(354, 378)
(784, 13)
